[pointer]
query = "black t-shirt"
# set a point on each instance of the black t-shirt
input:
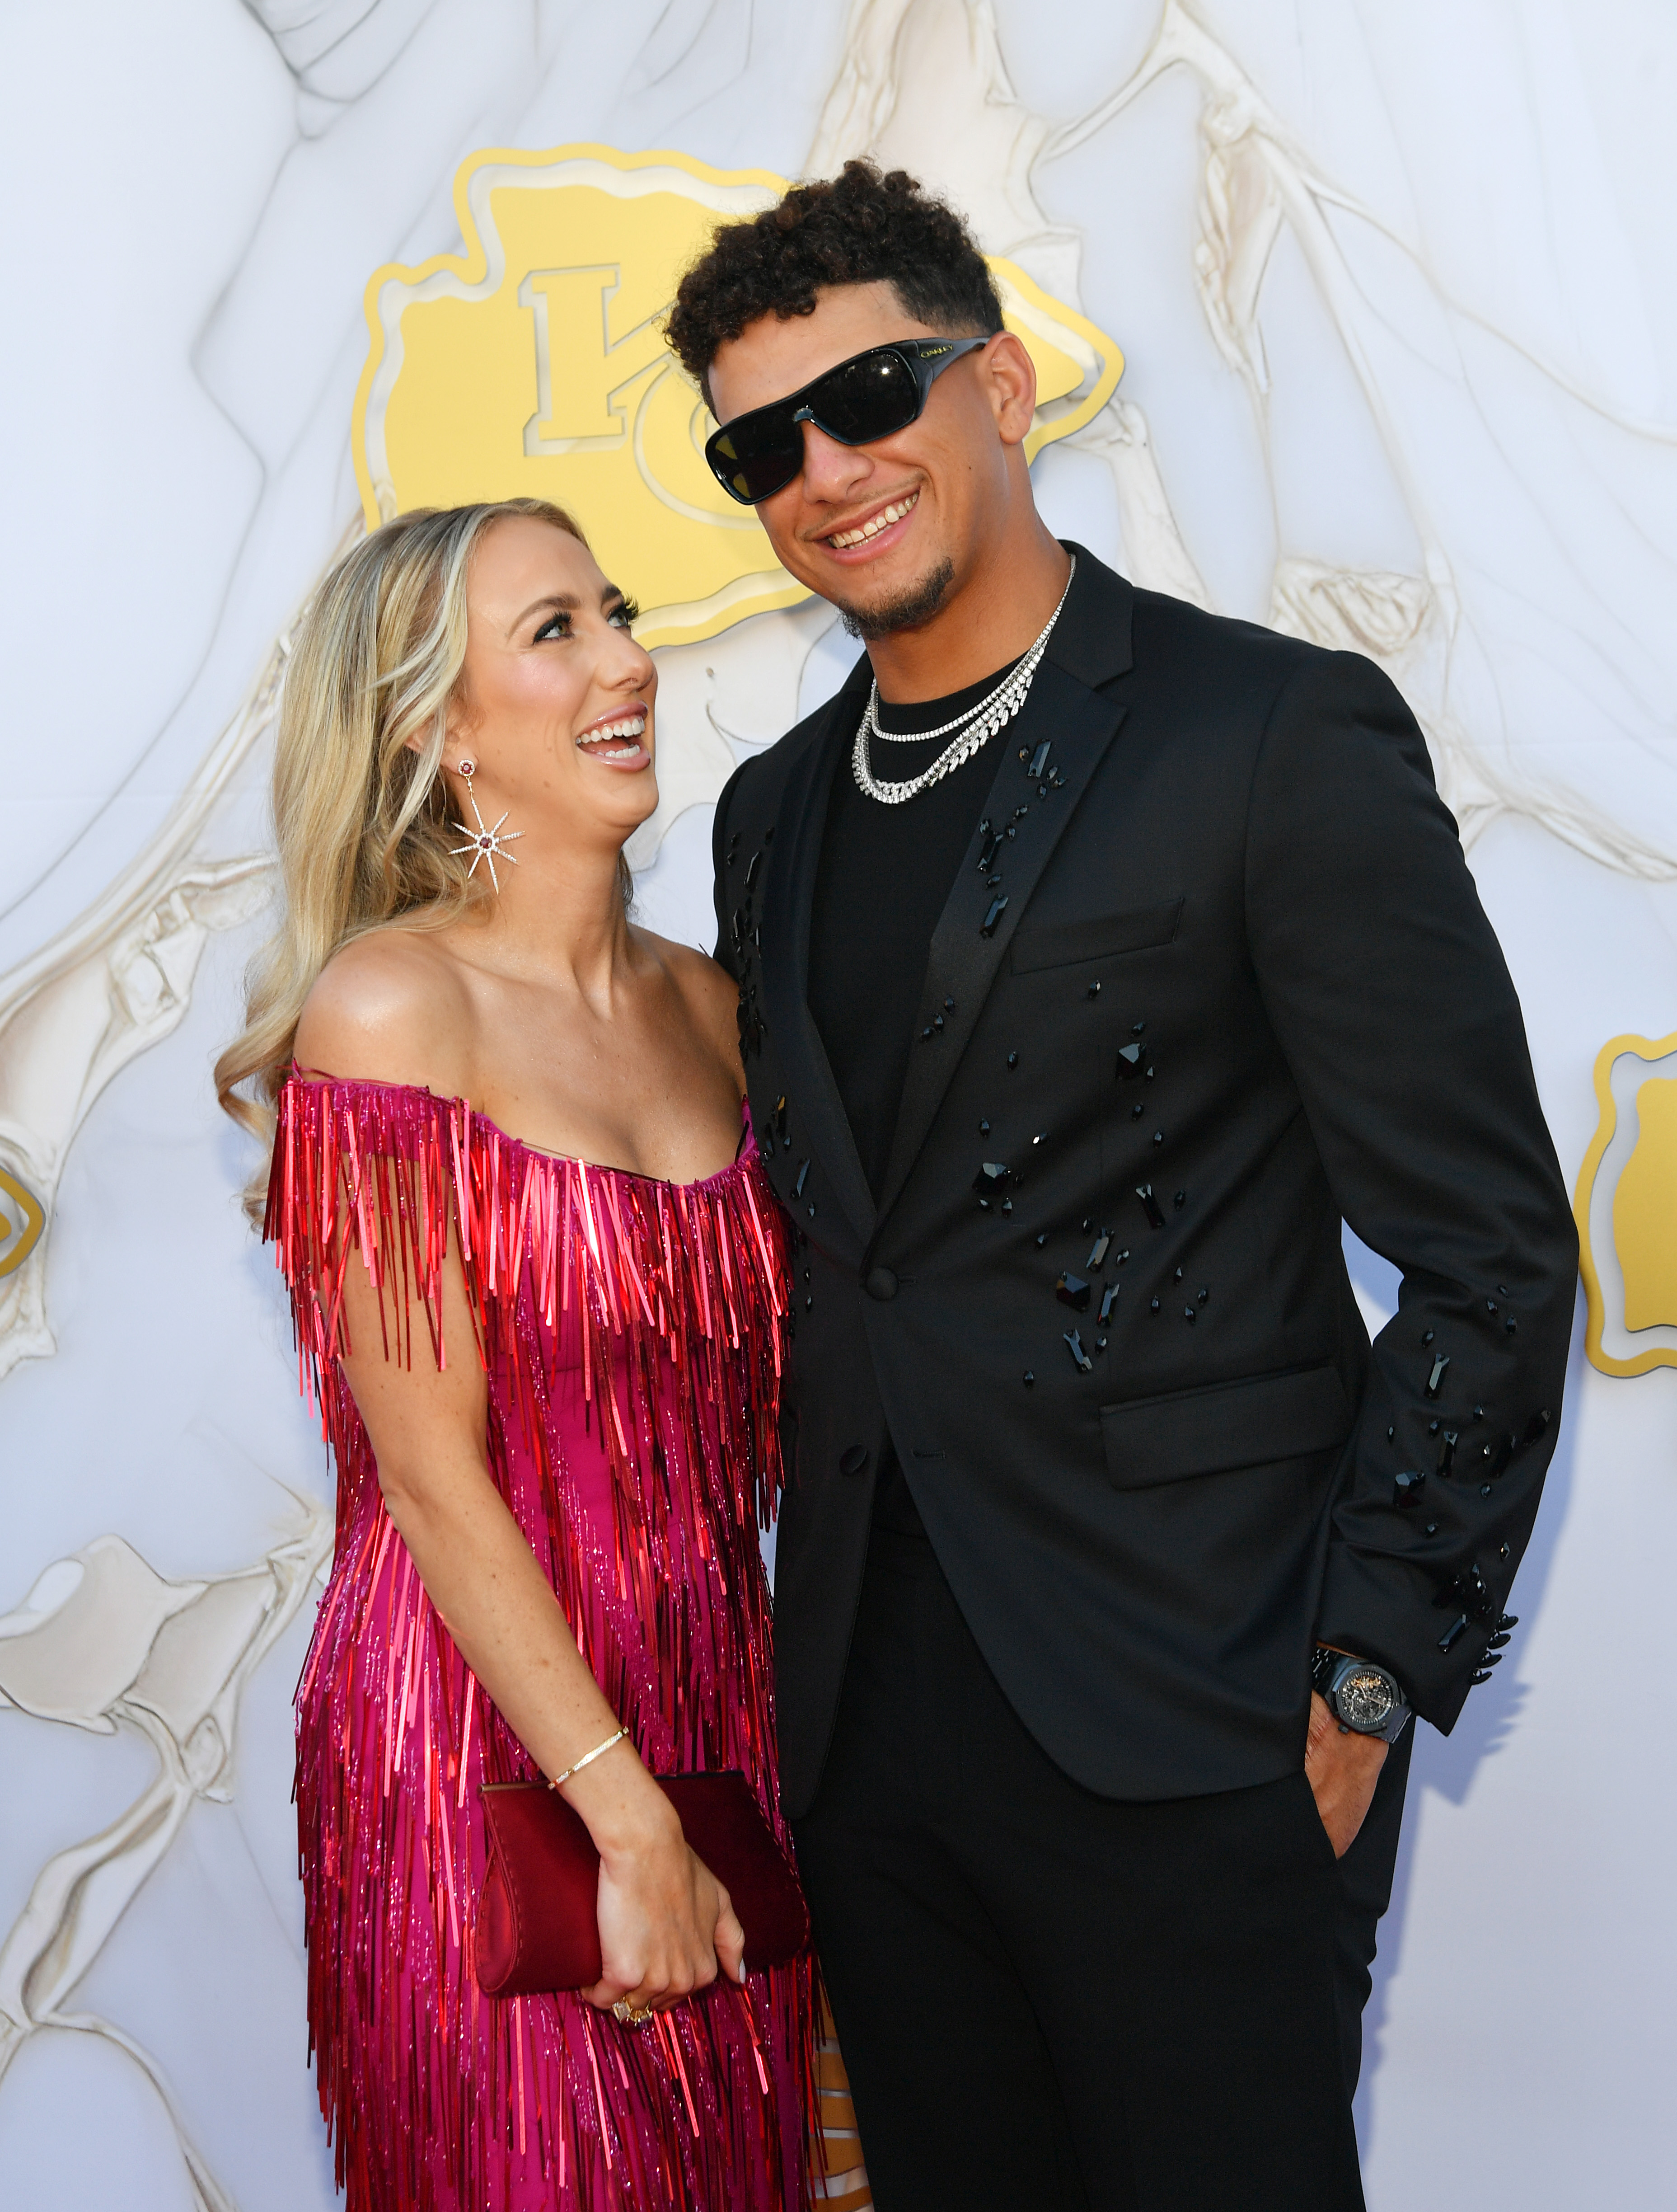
(886, 874)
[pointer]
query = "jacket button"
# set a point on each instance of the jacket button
(881, 1284)
(852, 1461)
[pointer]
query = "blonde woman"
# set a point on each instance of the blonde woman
(540, 1285)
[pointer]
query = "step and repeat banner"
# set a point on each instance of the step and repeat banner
(1358, 323)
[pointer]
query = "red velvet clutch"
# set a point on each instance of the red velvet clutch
(538, 1924)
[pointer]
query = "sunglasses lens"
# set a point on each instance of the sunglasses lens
(866, 398)
(754, 457)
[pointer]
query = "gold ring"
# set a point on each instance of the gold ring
(631, 2016)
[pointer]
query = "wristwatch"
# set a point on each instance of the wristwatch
(1362, 1697)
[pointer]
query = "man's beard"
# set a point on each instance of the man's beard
(912, 606)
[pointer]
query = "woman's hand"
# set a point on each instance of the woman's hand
(665, 1922)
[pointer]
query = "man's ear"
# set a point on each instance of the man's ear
(1010, 382)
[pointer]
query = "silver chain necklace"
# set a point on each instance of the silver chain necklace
(974, 728)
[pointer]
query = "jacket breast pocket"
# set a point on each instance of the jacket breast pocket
(1247, 1423)
(1099, 936)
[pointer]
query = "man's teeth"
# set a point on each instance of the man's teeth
(841, 540)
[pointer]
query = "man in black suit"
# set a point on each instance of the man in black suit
(1071, 1038)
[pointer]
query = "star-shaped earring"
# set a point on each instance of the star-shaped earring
(485, 842)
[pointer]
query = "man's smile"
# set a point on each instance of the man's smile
(865, 531)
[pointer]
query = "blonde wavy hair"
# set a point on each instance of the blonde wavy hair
(361, 809)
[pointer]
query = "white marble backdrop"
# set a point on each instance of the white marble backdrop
(1396, 288)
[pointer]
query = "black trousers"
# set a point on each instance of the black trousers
(1048, 1999)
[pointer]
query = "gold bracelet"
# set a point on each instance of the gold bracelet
(588, 1757)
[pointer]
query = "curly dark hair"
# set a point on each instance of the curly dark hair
(858, 228)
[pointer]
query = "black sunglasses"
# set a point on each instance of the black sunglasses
(867, 397)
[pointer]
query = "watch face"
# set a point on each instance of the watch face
(1365, 1699)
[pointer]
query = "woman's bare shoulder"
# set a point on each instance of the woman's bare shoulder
(707, 987)
(710, 994)
(391, 1007)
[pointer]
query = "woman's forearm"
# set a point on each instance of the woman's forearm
(480, 1573)
(426, 1425)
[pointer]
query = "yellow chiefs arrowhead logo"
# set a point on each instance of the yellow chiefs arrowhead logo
(1626, 1209)
(533, 363)
(23, 1219)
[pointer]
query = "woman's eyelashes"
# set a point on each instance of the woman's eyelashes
(558, 625)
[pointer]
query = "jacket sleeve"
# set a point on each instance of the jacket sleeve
(726, 954)
(1393, 1006)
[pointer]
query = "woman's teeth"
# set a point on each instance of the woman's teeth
(615, 740)
(841, 540)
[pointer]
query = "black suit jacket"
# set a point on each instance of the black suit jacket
(1232, 899)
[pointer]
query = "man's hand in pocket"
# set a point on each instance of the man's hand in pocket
(1342, 1768)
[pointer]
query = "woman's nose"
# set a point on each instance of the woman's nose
(628, 664)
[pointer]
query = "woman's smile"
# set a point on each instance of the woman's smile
(615, 740)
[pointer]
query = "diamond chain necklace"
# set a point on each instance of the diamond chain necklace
(976, 727)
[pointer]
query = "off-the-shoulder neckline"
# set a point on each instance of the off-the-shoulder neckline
(317, 1078)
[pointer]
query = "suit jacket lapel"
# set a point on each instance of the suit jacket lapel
(813, 1093)
(976, 926)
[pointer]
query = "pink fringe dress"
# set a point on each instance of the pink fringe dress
(633, 1335)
